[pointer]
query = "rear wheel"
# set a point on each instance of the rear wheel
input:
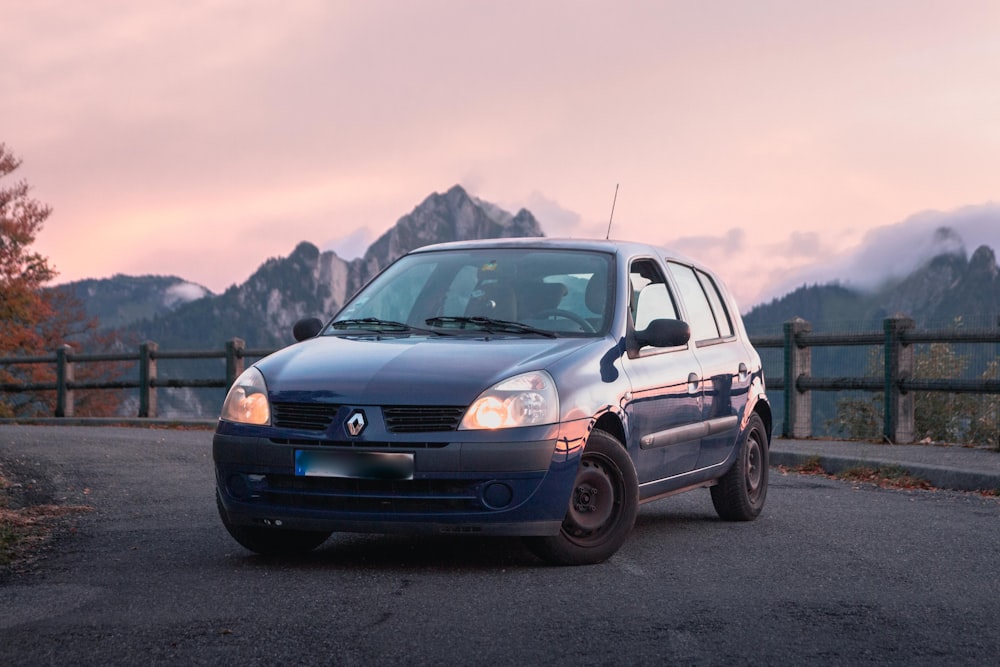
(272, 541)
(602, 507)
(740, 493)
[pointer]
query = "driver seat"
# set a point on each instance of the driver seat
(495, 300)
(537, 297)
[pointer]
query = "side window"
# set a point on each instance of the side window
(700, 316)
(650, 299)
(653, 303)
(718, 307)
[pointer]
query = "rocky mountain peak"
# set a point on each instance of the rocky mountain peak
(946, 288)
(305, 252)
(452, 216)
(984, 263)
(309, 282)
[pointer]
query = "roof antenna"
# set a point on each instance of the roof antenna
(608, 236)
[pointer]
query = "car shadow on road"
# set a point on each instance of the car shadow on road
(353, 551)
(344, 551)
(668, 519)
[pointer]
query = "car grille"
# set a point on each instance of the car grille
(367, 444)
(422, 419)
(398, 419)
(305, 416)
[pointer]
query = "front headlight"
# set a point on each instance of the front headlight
(246, 402)
(529, 399)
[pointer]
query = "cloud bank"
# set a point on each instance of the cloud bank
(893, 251)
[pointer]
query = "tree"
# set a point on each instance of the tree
(22, 272)
(939, 416)
(34, 320)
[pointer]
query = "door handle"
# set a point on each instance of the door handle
(743, 372)
(693, 382)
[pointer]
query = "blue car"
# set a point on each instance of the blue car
(538, 388)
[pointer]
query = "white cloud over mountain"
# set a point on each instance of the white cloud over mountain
(895, 250)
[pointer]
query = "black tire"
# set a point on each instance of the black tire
(740, 493)
(272, 541)
(602, 507)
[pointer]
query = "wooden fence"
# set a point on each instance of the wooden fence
(147, 382)
(896, 382)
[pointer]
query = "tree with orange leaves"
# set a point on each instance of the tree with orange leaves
(33, 320)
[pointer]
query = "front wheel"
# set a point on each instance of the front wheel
(602, 507)
(272, 541)
(740, 493)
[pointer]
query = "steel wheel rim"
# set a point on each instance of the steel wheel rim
(754, 467)
(596, 502)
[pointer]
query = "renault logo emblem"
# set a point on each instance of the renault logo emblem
(356, 423)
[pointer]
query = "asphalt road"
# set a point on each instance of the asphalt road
(829, 574)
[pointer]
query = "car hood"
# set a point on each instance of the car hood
(412, 370)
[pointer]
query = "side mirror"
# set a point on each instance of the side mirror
(664, 333)
(307, 327)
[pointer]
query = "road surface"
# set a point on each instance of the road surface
(830, 573)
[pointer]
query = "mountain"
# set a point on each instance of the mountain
(122, 300)
(182, 315)
(946, 291)
(179, 315)
(945, 288)
(309, 282)
(813, 303)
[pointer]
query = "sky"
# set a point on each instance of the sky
(781, 142)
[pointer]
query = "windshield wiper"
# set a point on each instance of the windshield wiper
(488, 324)
(382, 326)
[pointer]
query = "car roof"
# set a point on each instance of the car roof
(624, 249)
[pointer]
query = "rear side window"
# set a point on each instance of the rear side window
(722, 318)
(706, 313)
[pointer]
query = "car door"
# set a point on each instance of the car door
(721, 356)
(665, 410)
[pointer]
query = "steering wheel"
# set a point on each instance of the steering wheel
(565, 314)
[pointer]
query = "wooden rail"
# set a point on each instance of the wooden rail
(897, 340)
(147, 382)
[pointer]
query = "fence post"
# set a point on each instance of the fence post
(147, 379)
(234, 360)
(64, 376)
(899, 426)
(798, 362)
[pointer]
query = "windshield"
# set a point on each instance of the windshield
(542, 292)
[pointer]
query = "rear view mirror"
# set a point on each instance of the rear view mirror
(664, 333)
(307, 328)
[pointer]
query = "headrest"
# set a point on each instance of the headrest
(597, 292)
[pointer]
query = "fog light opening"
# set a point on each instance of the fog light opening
(238, 486)
(497, 495)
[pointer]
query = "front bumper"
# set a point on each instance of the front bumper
(491, 487)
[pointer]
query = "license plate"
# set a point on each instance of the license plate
(354, 465)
